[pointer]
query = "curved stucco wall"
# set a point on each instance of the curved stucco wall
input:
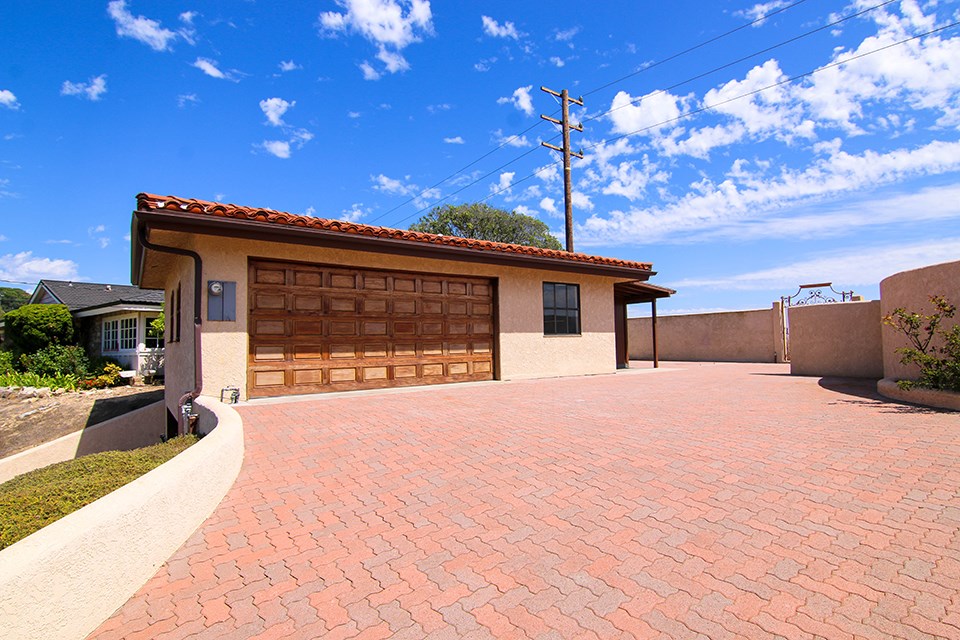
(523, 349)
(132, 430)
(912, 290)
(66, 579)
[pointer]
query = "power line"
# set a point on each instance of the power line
(738, 97)
(694, 48)
(508, 141)
(638, 100)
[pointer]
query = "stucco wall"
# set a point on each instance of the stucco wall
(730, 336)
(523, 349)
(836, 340)
(912, 290)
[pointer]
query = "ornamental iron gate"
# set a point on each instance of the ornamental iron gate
(808, 294)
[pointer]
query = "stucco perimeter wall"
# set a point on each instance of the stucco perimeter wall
(523, 350)
(139, 428)
(836, 340)
(912, 290)
(730, 336)
(63, 581)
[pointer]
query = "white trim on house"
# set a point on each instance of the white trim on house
(131, 350)
(116, 308)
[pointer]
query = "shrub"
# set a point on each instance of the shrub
(932, 348)
(27, 379)
(57, 359)
(6, 362)
(109, 378)
(33, 327)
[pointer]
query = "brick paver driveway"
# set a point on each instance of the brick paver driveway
(716, 501)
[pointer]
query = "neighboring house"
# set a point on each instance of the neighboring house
(112, 320)
(287, 304)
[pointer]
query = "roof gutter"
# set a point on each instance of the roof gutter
(189, 396)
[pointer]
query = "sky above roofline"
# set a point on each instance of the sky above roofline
(742, 148)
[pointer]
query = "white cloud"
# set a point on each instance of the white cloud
(549, 205)
(567, 34)
(187, 17)
(711, 205)
(511, 141)
(506, 30)
(484, 64)
(520, 99)
(9, 100)
(353, 115)
(187, 98)
(648, 113)
(865, 266)
(557, 61)
(455, 140)
(274, 108)
(354, 213)
(421, 197)
(525, 210)
(504, 183)
(288, 65)
(390, 24)
(437, 108)
(761, 10)
(210, 68)
(147, 31)
(369, 73)
(24, 267)
(91, 90)
(581, 200)
(278, 148)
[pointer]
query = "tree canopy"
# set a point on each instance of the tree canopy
(12, 298)
(483, 222)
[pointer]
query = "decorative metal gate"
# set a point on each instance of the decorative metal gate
(808, 294)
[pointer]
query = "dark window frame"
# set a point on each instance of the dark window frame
(561, 318)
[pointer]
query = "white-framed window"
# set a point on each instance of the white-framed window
(111, 336)
(128, 333)
(120, 335)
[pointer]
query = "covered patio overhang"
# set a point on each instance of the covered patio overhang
(625, 293)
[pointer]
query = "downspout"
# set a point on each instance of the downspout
(197, 321)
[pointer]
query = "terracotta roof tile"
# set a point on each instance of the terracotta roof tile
(152, 202)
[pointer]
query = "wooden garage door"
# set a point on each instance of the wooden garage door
(317, 328)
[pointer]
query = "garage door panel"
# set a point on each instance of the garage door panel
(315, 329)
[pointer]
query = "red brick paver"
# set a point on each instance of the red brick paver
(717, 501)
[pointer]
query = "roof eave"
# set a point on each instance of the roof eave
(257, 230)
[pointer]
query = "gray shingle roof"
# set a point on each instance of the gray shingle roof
(86, 295)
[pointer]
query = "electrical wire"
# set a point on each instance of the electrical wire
(507, 141)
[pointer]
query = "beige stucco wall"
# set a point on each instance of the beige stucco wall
(730, 336)
(912, 290)
(523, 349)
(836, 340)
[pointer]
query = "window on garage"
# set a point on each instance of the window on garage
(561, 309)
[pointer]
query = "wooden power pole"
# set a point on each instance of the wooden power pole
(565, 126)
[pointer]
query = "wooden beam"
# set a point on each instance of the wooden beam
(653, 327)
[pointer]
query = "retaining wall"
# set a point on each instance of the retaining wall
(139, 428)
(63, 581)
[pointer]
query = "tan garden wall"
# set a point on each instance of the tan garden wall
(132, 430)
(729, 336)
(840, 339)
(912, 290)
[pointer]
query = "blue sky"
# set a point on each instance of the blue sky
(812, 145)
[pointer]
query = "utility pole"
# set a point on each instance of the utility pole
(565, 126)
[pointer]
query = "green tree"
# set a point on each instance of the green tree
(484, 222)
(12, 298)
(35, 326)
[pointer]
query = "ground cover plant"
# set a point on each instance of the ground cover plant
(934, 348)
(35, 499)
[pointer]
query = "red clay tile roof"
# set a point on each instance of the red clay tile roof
(152, 202)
